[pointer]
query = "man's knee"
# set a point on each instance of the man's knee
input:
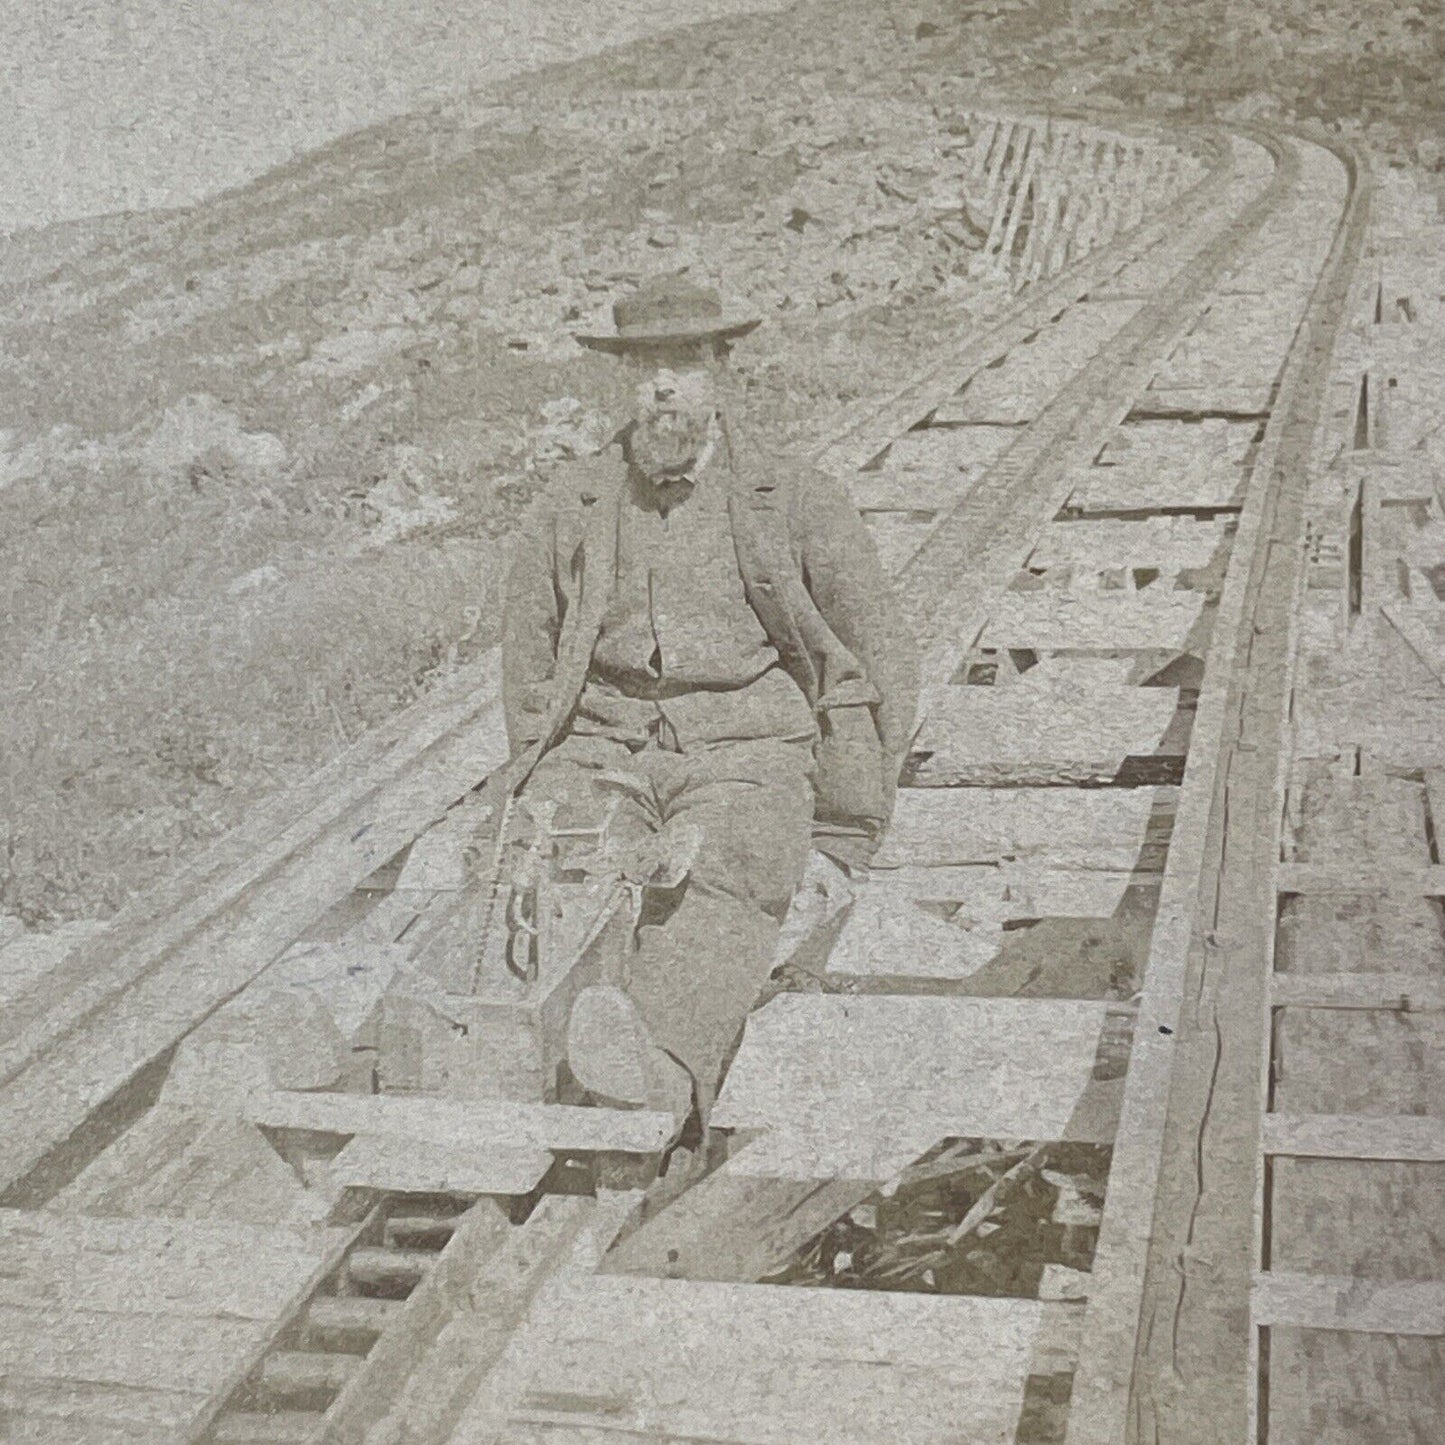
(756, 857)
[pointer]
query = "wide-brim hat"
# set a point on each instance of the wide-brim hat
(671, 309)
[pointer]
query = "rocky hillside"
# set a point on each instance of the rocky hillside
(258, 458)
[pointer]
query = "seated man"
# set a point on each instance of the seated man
(703, 638)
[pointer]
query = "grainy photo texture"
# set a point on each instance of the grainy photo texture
(722, 722)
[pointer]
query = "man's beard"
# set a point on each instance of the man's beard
(666, 444)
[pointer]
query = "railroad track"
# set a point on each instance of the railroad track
(1010, 1145)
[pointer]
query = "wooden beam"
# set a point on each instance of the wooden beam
(478, 1124)
(1413, 880)
(1052, 732)
(698, 1360)
(1419, 1137)
(403, 1164)
(146, 1267)
(1081, 828)
(735, 1226)
(1346, 1302)
(1405, 992)
(838, 1067)
(1337, 1387)
(194, 1164)
(1032, 373)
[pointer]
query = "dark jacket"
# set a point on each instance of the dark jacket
(810, 572)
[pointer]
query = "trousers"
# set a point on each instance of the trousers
(702, 951)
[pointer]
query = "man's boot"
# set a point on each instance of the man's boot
(612, 1055)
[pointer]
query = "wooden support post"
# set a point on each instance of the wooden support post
(1002, 155)
(1009, 196)
(1023, 199)
(1045, 212)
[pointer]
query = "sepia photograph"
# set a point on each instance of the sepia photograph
(722, 722)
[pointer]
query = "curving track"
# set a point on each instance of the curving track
(1097, 515)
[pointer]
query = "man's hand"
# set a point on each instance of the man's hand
(661, 860)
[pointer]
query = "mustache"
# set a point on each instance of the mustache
(678, 413)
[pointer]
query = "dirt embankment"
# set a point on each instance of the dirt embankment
(258, 458)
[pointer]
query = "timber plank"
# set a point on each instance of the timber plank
(1348, 1302)
(933, 456)
(908, 491)
(1156, 465)
(405, 1165)
(1407, 880)
(1397, 724)
(880, 1066)
(929, 470)
(151, 1267)
(480, 1124)
(1364, 822)
(1171, 544)
(1404, 992)
(187, 1354)
(766, 1365)
(1051, 731)
(948, 923)
(1242, 336)
(188, 1163)
(1356, 1136)
(1100, 828)
(741, 1226)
